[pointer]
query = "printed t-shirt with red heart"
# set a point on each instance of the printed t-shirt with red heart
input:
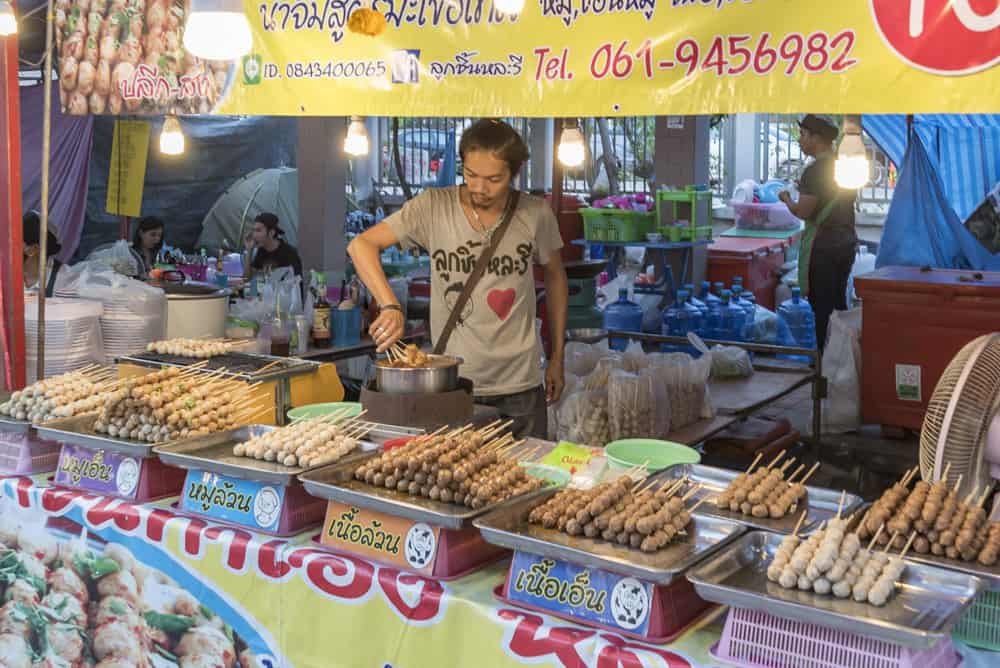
(496, 335)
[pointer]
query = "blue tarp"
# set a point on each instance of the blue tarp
(182, 189)
(921, 228)
(964, 150)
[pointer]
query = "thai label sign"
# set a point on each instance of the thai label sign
(587, 594)
(245, 502)
(411, 545)
(100, 471)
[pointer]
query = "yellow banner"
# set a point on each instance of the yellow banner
(127, 171)
(556, 58)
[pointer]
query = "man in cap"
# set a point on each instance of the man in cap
(829, 241)
(272, 251)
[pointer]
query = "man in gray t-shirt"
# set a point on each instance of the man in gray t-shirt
(495, 335)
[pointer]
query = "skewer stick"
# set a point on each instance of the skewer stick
(690, 493)
(695, 506)
(797, 471)
(906, 548)
(958, 483)
(643, 479)
(798, 525)
(895, 534)
(809, 475)
(754, 462)
(944, 474)
(840, 506)
(486, 428)
(878, 533)
(982, 499)
(861, 524)
(776, 459)
(267, 367)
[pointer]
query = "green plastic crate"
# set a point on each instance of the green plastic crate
(618, 224)
(979, 626)
(595, 228)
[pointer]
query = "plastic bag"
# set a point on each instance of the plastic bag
(634, 359)
(572, 383)
(631, 405)
(685, 384)
(597, 380)
(727, 361)
(582, 358)
(119, 258)
(583, 419)
(842, 368)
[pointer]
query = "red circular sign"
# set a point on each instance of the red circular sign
(948, 37)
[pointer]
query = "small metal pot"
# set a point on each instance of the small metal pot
(441, 377)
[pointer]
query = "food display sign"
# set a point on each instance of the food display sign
(555, 58)
(245, 502)
(587, 594)
(412, 546)
(99, 471)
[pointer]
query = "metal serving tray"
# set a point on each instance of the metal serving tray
(925, 606)
(240, 365)
(79, 430)
(508, 527)
(822, 503)
(12, 426)
(214, 453)
(380, 433)
(335, 482)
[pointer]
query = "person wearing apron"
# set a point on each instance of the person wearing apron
(829, 241)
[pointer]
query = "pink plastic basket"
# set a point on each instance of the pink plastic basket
(750, 216)
(194, 272)
(22, 454)
(755, 639)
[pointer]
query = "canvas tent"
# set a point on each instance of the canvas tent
(275, 190)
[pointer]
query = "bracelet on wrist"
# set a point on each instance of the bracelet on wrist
(391, 307)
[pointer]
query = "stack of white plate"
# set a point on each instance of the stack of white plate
(130, 322)
(72, 335)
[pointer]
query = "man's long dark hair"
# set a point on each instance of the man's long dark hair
(498, 138)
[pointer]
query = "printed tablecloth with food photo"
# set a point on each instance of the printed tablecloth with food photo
(95, 582)
(126, 56)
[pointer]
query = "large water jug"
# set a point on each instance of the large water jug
(734, 318)
(717, 289)
(738, 282)
(624, 316)
(708, 297)
(680, 319)
(798, 315)
(694, 301)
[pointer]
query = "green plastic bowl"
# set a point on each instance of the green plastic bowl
(631, 452)
(319, 410)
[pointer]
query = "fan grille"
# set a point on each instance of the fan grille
(959, 421)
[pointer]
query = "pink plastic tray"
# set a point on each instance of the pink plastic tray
(25, 454)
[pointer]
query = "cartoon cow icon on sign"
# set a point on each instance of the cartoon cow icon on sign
(629, 603)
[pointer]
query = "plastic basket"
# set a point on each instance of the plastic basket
(755, 639)
(21, 454)
(618, 224)
(979, 626)
(750, 216)
(194, 272)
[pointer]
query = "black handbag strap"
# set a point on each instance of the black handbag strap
(477, 272)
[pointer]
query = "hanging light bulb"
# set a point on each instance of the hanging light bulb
(572, 148)
(171, 137)
(356, 141)
(217, 30)
(851, 168)
(8, 22)
(508, 6)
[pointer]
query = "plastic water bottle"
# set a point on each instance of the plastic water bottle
(750, 300)
(707, 296)
(680, 319)
(694, 301)
(798, 315)
(624, 316)
(734, 319)
(717, 289)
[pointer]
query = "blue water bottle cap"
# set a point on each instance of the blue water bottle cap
(726, 295)
(796, 294)
(682, 295)
(623, 294)
(737, 280)
(719, 286)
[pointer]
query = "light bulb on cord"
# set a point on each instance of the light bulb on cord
(572, 149)
(356, 141)
(171, 137)
(508, 6)
(8, 22)
(217, 30)
(851, 169)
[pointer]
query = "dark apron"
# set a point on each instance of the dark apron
(806, 245)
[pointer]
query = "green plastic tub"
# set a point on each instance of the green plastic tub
(631, 452)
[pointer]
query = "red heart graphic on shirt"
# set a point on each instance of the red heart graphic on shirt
(501, 301)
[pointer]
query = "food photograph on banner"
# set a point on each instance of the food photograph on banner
(446, 333)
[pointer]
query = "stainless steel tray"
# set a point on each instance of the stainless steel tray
(921, 612)
(508, 527)
(822, 503)
(12, 426)
(79, 430)
(381, 433)
(239, 365)
(335, 482)
(214, 453)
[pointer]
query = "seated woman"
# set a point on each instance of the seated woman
(30, 235)
(147, 242)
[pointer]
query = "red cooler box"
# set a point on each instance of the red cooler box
(756, 260)
(914, 323)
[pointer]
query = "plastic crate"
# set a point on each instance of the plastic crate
(617, 224)
(194, 272)
(23, 454)
(979, 625)
(749, 216)
(755, 639)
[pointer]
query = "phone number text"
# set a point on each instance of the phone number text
(346, 69)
